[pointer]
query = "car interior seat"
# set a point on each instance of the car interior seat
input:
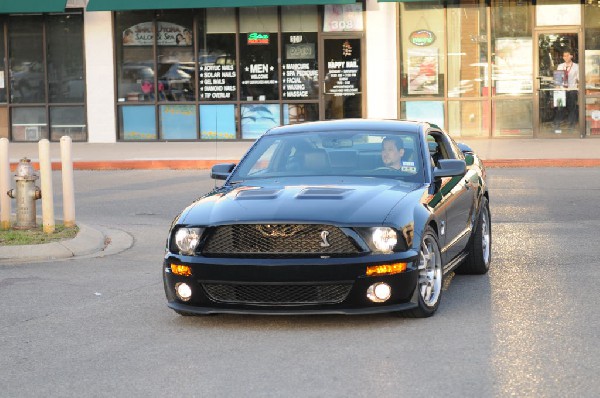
(316, 160)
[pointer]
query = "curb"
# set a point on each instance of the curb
(185, 164)
(90, 241)
(518, 163)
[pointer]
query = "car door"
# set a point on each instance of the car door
(459, 195)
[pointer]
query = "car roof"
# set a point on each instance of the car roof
(351, 124)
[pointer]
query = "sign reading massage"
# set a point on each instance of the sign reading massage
(169, 34)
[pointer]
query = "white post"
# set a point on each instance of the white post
(67, 181)
(4, 185)
(47, 194)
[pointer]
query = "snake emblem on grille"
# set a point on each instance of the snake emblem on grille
(280, 231)
(325, 242)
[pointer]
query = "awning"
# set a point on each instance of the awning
(123, 5)
(30, 6)
(407, 1)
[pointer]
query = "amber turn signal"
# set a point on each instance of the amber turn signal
(182, 270)
(386, 269)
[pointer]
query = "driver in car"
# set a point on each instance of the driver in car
(392, 152)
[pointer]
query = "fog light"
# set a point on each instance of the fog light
(182, 270)
(184, 292)
(379, 292)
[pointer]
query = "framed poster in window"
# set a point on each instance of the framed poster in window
(423, 65)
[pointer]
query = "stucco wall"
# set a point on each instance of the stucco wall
(99, 64)
(382, 76)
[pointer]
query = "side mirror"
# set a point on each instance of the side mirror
(464, 148)
(221, 171)
(450, 168)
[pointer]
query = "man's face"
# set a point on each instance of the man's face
(390, 155)
(567, 57)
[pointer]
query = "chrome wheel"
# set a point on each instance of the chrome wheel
(430, 271)
(485, 235)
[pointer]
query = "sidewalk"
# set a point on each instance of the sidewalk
(575, 152)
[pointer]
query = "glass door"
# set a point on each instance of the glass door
(342, 84)
(558, 95)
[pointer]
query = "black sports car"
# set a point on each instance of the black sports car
(344, 217)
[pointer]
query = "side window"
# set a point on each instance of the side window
(437, 149)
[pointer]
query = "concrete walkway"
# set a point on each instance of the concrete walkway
(573, 152)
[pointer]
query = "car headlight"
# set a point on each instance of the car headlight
(188, 239)
(384, 239)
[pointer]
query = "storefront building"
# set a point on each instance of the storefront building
(124, 70)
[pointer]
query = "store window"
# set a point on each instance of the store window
(259, 70)
(46, 96)
(26, 61)
(226, 73)
(4, 131)
(422, 35)
(300, 67)
(217, 73)
(467, 50)
(512, 68)
(468, 76)
(592, 69)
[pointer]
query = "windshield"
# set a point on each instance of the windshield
(334, 153)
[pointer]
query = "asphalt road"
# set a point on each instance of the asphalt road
(101, 327)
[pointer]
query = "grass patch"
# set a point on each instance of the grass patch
(36, 236)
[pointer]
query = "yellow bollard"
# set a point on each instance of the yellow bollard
(48, 225)
(67, 181)
(4, 185)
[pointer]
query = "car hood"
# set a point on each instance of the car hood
(347, 201)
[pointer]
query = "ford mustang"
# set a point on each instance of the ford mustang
(338, 217)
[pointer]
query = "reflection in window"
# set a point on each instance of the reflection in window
(64, 59)
(512, 47)
(592, 50)
(29, 124)
(300, 113)
(512, 118)
(175, 50)
(27, 59)
(467, 50)
(3, 75)
(216, 55)
(468, 118)
(67, 120)
(135, 64)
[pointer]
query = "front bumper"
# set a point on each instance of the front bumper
(278, 274)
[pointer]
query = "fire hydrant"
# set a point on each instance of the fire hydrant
(26, 194)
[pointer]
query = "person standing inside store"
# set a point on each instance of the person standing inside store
(571, 86)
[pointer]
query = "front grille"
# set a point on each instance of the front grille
(278, 240)
(297, 294)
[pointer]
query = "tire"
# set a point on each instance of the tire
(430, 280)
(480, 246)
